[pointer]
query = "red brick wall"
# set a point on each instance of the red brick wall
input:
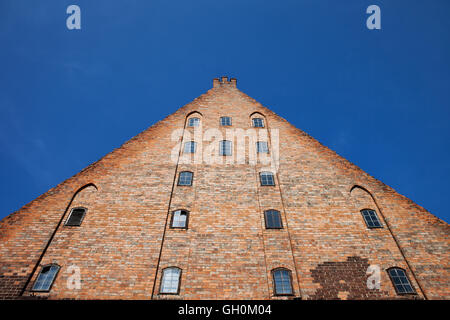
(125, 240)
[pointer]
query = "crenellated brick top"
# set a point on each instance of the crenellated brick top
(223, 81)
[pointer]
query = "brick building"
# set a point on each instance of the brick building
(223, 200)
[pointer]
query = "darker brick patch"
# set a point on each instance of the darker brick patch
(10, 286)
(346, 278)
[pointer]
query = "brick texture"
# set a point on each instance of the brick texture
(125, 240)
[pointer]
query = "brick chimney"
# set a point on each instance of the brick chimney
(223, 81)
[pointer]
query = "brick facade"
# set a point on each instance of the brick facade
(125, 239)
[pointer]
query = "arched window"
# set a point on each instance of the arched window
(193, 122)
(76, 216)
(267, 178)
(258, 122)
(225, 148)
(180, 219)
(273, 219)
(371, 218)
(185, 178)
(170, 280)
(46, 278)
(225, 121)
(190, 147)
(282, 281)
(262, 147)
(400, 281)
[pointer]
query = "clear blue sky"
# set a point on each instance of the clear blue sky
(379, 98)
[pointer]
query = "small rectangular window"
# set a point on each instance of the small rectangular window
(193, 122)
(258, 123)
(76, 217)
(45, 278)
(400, 281)
(225, 121)
(170, 282)
(225, 148)
(267, 179)
(282, 280)
(262, 147)
(273, 219)
(371, 218)
(190, 146)
(185, 178)
(180, 219)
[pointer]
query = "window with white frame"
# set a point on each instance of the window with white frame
(170, 281)
(193, 122)
(180, 219)
(267, 178)
(225, 121)
(46, 278)
(258, 122)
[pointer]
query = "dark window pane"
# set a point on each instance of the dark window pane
(371, 218)
(400, 281)
(267, 179)
(408, 288)
(273, 219)
(258, 123)
(225, 121)
(282, 280)
(185, 178)
(75, 217)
